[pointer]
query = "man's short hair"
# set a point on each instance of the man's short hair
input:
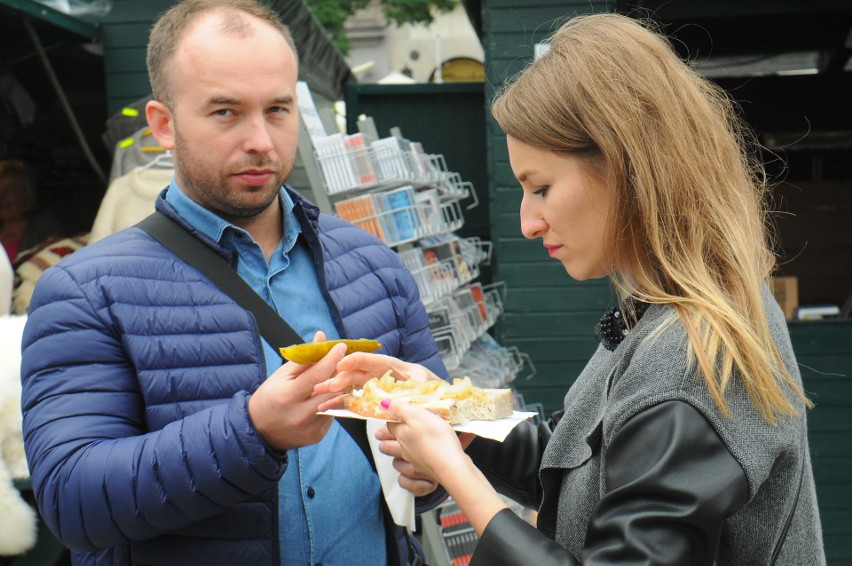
(172, 25)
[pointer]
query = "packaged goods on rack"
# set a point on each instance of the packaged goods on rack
(457, 535)
(429, 215)
(397, 216)
(445, 264)
(357, 146)
(355, 162)
(362, 212)
(422, 163)
(392, 155)
(337, 165)
(446, 249)
(490, 365)
(456, 321)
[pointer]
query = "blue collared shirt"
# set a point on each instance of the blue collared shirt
(329, 505)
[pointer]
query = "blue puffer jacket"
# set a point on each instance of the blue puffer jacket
(136, 376)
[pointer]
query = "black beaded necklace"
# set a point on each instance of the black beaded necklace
(612, 328)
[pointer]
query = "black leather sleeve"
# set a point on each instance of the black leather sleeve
(670, 483)
(512, 465)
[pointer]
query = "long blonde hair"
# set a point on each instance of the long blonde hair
(689, 225)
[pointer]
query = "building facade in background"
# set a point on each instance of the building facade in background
(447, 50)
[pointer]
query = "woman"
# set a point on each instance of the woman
(22, 226)
(683, 441)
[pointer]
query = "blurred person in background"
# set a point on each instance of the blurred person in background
(23, 226)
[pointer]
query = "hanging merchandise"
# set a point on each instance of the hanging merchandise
(136, 150)
(124, 123)
(129, 199)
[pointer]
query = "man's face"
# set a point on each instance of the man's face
(234, 117)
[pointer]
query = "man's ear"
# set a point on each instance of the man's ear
(161, 123)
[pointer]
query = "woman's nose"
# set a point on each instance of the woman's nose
(533, 224)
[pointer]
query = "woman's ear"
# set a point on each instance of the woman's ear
(161, 123)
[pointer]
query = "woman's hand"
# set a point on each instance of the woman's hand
(357, 368)
(426, 448)
(425, 442)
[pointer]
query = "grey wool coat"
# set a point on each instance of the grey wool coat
(650, 367)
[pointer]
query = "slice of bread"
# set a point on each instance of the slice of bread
(458, 402)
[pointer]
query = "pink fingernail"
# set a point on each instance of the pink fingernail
(385, 403)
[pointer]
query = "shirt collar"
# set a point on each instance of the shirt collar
(216, 228)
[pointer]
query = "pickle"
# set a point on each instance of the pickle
(311, 352)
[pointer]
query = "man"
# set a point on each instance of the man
(152, 431)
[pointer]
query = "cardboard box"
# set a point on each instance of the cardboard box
(786, 291)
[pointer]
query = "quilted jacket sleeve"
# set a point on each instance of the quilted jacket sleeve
(100, 477)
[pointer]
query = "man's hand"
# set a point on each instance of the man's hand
(284, 407)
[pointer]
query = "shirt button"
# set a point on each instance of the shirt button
(311, 494)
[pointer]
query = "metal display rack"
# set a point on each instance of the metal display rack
(391, 187)
(395, 190)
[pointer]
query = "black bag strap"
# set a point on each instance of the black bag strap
(195, 253)
(272, 327)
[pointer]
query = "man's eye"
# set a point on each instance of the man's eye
(222, 112)
(278, 109)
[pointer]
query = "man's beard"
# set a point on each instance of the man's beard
(210, 188)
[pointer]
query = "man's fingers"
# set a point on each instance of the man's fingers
(342, 382)
(335, 402)
(384, 434)
(418, 488)
(390, 447)
(320, 371)
(368, 363)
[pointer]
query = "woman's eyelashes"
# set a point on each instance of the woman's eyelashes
(541, 191)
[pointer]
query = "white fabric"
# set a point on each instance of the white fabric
(400, 502)
(129, 199)
(6, 281)
(18, 519)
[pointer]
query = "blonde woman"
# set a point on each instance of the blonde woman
(683, 441)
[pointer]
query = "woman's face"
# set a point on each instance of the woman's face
(564, 205)
(12, 198)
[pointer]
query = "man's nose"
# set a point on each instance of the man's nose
(258, 138)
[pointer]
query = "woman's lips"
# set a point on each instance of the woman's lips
(552, 249)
